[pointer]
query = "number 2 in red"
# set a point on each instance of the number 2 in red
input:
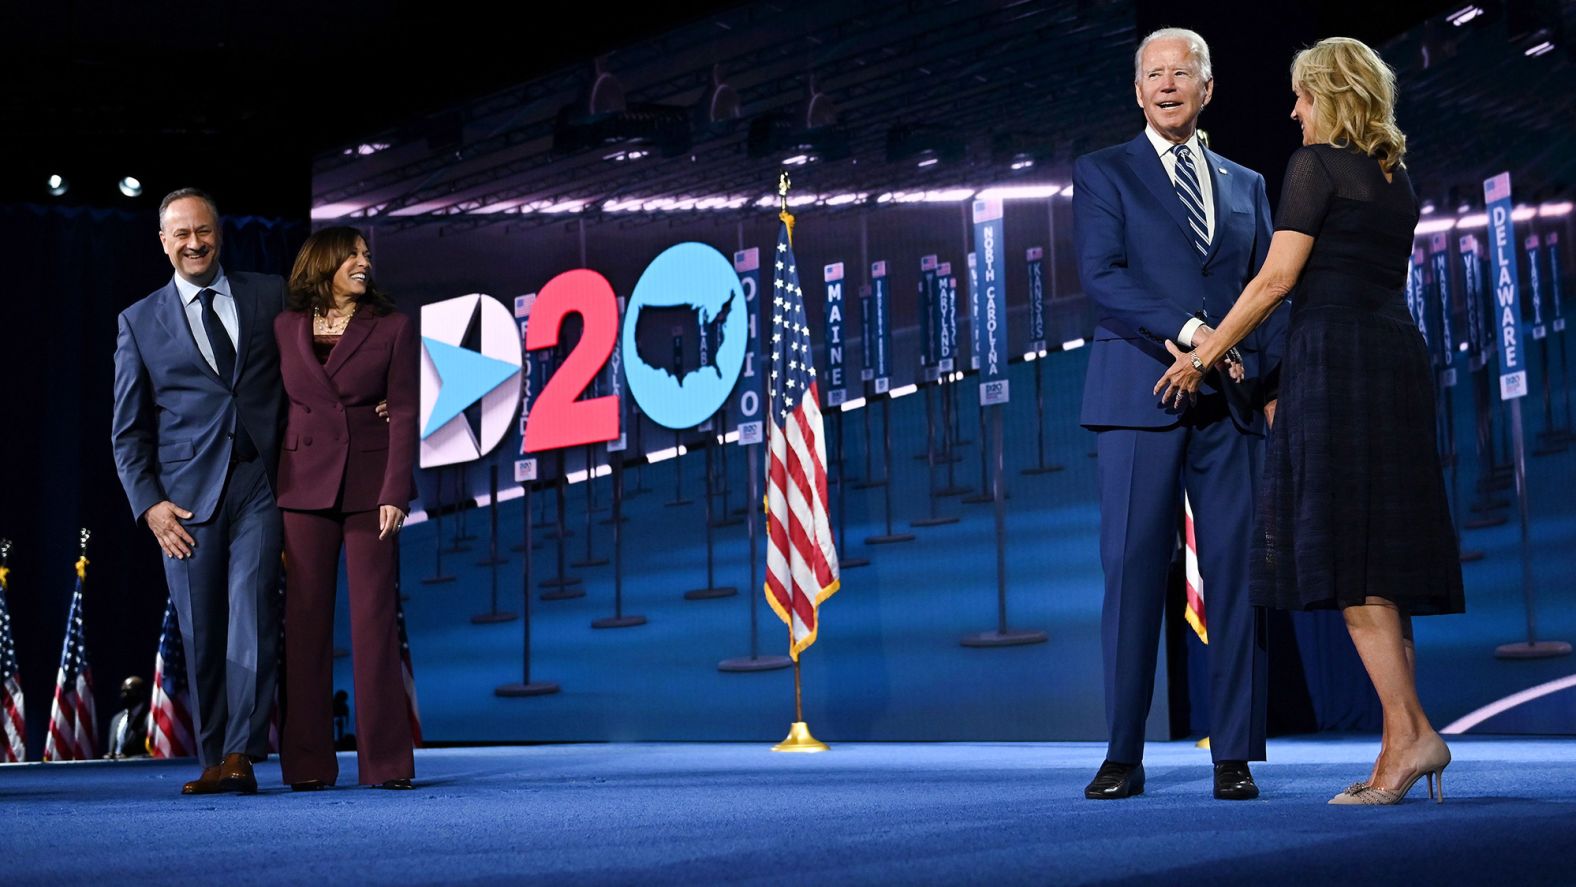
(559, 418)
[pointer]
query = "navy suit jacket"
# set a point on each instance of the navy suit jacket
(175, 419)
(1138, 263)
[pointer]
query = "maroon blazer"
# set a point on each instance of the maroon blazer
(333, 434)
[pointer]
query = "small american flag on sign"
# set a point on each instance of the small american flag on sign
(801, 560)
(73, 726)
(1195, 580)
(170, 731)
(13, 718)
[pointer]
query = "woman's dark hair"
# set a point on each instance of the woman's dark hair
(312, 278)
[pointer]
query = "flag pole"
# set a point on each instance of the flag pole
(799, 737)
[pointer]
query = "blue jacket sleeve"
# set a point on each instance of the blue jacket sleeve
(1100, 239)
(132, 431)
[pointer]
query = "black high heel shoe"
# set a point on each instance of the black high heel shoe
(395, 785)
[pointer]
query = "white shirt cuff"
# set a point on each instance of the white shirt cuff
(1185, 338)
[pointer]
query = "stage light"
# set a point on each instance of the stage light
(576, 477)
(1030, 355)
(58, 185)
(905, 391)
(1477, 220)
(664, 455)
(1427, 208)
(1020, 192)
(1539, 49)
(1434, 226)
(367, 149)
(1523, 214)
(629, 154)
(1553, 210)
(1072, 344)
(843, 199)
(797, 160)
(1068, 192)
(1464, 346)
(928, 161)
(857, 403)
(1022, 162)
(130, 187)
(1463, 15)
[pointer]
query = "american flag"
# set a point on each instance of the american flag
(170, 730)
(73, 727)
(1195, 581)
(12, 706)
(801, 561)
(407, 672)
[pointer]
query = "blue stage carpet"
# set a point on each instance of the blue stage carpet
(864, 813)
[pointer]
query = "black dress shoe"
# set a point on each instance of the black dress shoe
(1116, 781)
(1233, 782)
(395, 784)
(311, 785)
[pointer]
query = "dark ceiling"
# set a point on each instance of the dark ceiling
(241, 97)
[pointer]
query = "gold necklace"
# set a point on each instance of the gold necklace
(323, 325)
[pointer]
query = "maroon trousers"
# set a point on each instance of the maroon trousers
(383, 738)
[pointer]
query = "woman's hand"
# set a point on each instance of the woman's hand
(390, 519)
(1182, 379)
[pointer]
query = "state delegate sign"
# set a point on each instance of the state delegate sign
(837, 392)
(993, 305)
(881, 343)
(747, 397)
(1502, 257)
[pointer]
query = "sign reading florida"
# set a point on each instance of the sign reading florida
(696, 277)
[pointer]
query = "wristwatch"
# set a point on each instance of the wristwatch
(1197, 364)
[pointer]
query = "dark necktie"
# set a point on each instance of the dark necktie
(1192, 197)
(218, 338)
(224, 359)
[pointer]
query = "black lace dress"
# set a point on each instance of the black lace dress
(1353, 501)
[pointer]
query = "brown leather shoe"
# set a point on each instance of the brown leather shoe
(235, 775)
(206, 784)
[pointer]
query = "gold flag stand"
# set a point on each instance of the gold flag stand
(1202, 743)
(799, 737)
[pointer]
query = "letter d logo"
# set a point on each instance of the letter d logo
(454, 377)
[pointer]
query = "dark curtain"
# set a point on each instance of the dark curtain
(70, 272)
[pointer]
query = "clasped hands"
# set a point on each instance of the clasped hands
(1182, 379)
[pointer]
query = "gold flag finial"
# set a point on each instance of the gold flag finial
(82, 560)
(783, 184)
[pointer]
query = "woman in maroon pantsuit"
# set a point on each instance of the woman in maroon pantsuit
(345, 479)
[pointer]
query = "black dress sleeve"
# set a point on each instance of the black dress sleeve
(1305, 194)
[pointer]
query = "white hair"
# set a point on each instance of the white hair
(1195, 46)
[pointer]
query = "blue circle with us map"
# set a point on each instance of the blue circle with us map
(696, 277)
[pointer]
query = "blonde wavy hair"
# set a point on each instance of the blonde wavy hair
(1353, 93)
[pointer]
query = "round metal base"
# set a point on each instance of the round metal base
(562, 594)
(754, 663)
(867, 484)
(436, 580)
(1470, 555)
(489, 618)
(618, 621)
(932, 521)
(800, 740)
(1532, 650)
(607, 521)
(535, 688)
(559, 582)
(674, 503)
(1007, 638)
(551, 532)
(1550, 448)
(1042, 469)
(952, 490)
(889, 539)
(456, 549)
(1488, 520)
(983, 499)
(853, 562)
(590, 562)
(520, 546)
(492, 561)
(726, 522)
(706, 594)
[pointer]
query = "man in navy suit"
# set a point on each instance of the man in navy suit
(198, 408)
(1168, 233)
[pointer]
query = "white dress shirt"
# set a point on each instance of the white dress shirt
(1168, 159)
(223, 305)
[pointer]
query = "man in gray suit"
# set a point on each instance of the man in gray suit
(198, 408)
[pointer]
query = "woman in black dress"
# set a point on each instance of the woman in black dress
(1353, 513)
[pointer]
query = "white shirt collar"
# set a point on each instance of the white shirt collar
(188, 290)
(1164, 146)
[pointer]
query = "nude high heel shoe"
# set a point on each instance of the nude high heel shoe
(1431, 763)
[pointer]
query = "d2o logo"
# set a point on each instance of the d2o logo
(454, 377)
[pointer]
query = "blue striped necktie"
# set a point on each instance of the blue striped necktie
(1192, 199)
